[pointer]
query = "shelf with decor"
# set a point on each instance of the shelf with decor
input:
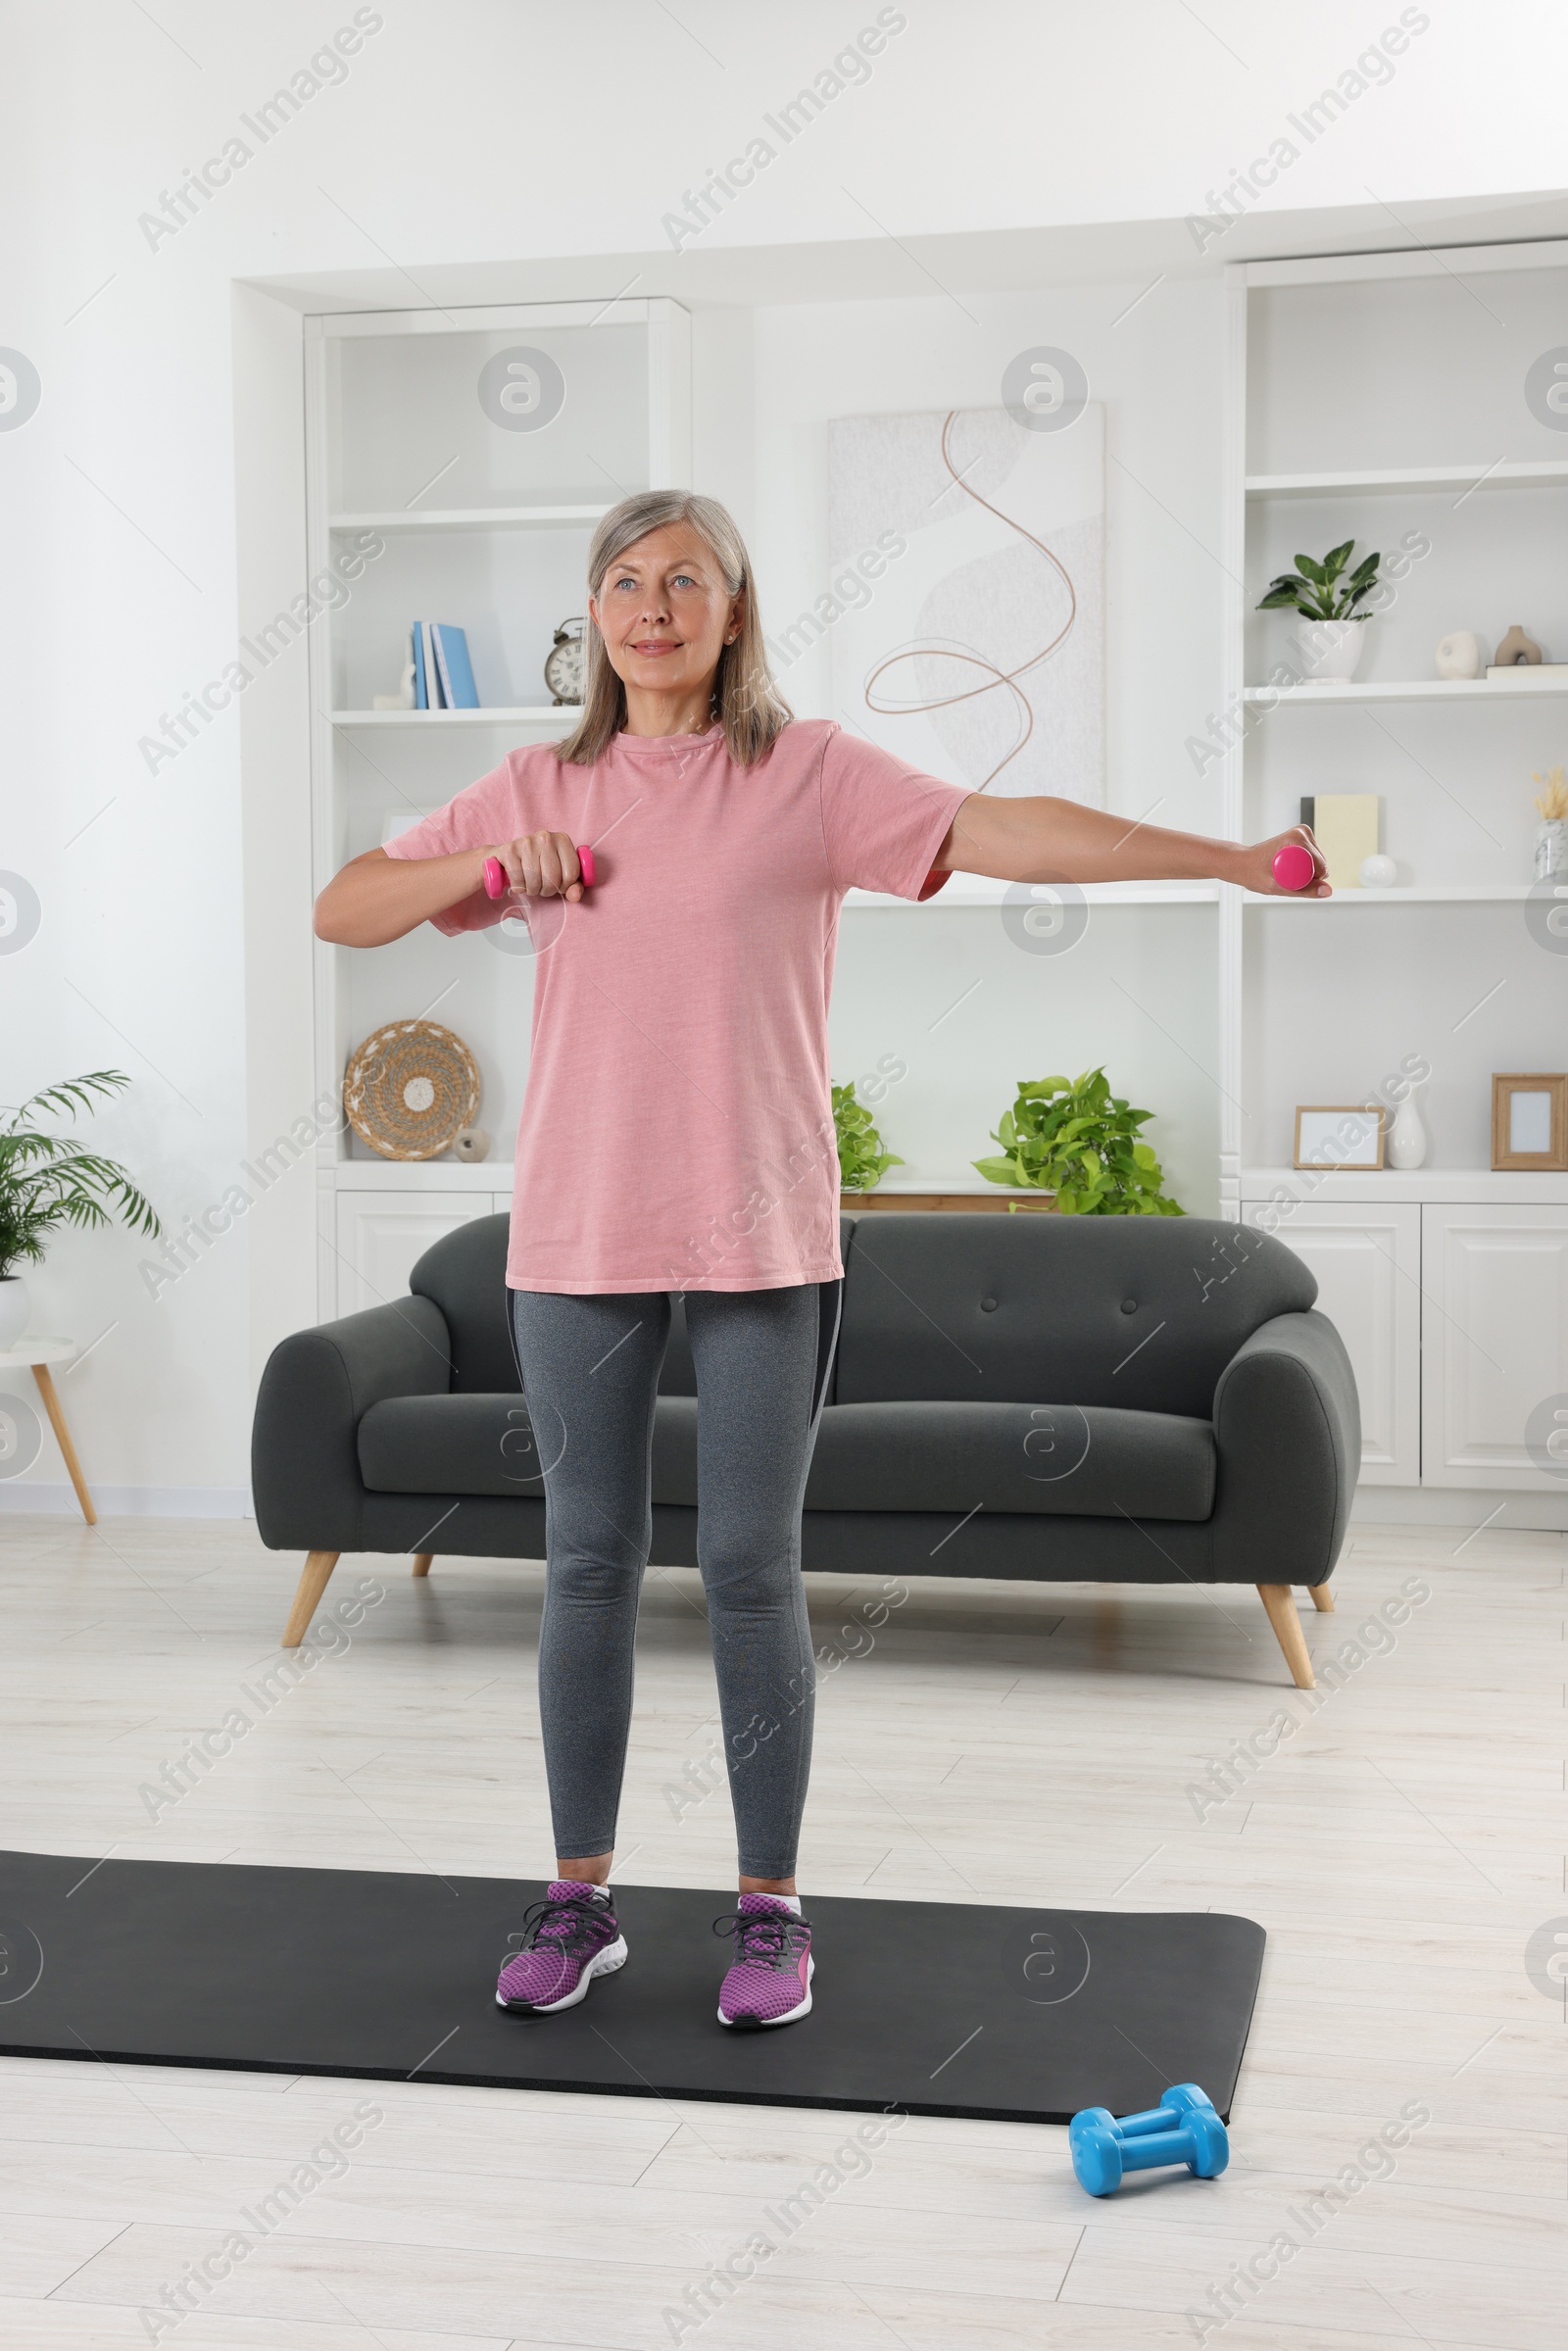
(475, 517)
(1434, 1186)
(475, 449)
(1406, 689)
(980, 889)
(1497, 474)
(536, 714)
(1413, 894)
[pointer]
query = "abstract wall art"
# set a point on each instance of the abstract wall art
(979, 654)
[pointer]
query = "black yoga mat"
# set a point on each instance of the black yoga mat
(934, 2007)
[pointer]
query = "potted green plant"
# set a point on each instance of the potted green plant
(862, 1163)
(1323, 595)
(47, 1181)
(1076, 1140)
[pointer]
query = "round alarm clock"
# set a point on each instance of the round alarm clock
(565, 664)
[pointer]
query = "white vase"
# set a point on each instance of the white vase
(1330, 650)
(1408, 1142)
(1551, 848)
(15, 1308)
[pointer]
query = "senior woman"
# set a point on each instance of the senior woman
(680, 1033)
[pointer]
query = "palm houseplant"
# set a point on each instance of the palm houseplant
(1324, 594)
(1074, 1140)
(46, 1180)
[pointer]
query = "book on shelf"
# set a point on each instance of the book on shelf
(1346, 826)
(434, 698)
(443, 672)
(454, 669)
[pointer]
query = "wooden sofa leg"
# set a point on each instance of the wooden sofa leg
(1280, 1602)
(422, 1562)
(1322, 1597)
(312, 1582)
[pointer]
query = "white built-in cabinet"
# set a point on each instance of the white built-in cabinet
(1494, 1291)
(1449, 1283)
(380, 1236)
(1453, 1311)
(1367, 1264)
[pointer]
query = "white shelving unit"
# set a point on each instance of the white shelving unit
(395, 423)
(1449, 1283)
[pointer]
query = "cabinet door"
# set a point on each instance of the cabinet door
(1495, 1322)
(381, 1235)
(1367, 1262)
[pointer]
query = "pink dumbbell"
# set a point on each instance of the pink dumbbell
(496, 883)
(1293, 866)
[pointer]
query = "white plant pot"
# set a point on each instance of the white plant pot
(15, 1308)
(1330, 650)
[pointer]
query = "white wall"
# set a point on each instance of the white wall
(1137, 991)
(467, 141)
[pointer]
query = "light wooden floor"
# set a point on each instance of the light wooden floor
(1008, 1744)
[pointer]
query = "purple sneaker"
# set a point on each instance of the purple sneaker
(770, 1981)
(567, 1940)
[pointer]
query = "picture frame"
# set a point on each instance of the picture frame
(1529, 1120)
(1340, 1135)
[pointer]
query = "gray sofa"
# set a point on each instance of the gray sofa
(1125, 1399)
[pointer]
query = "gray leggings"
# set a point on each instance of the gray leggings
(590, 1370)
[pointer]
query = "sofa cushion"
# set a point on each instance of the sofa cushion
(450, 1445)
(1054, 1460)
(484, 1444)
(1045, 1460)
(1138, 1313)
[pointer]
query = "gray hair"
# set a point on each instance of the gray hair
(746, 702)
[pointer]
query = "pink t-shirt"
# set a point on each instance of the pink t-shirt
(677, 1129)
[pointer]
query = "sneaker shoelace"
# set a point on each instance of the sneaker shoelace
(569, 1923)
(765, 1939)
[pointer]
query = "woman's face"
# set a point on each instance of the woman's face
(664, 613)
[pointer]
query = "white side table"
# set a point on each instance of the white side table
(36, 1356)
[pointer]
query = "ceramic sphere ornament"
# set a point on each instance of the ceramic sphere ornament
(471, 1144)
(1458, 653)
(1378, 873)
(566, 663)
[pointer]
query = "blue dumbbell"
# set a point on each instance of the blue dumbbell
(1182, 2128)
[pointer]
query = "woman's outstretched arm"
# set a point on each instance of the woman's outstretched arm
(376, 897)
(1045, 840)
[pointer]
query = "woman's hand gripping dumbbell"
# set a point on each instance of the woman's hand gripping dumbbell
(540, 865)
(1294, 864)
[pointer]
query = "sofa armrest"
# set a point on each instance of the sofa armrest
(1287, 1433)
(304, 1466)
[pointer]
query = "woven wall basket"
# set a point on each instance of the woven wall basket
(409, 1089)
